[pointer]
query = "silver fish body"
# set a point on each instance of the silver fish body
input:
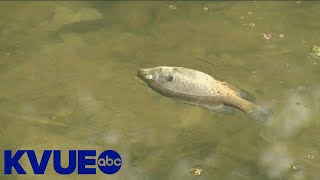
(200, 89)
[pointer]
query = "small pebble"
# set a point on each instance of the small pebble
(171, 6)
(250, 12)
(301, 88)
(310, 156)
(267, 36)
(294, 167)
(289, 66)
(196, 171)
(281, 35)
(206, 8)
(251, 24)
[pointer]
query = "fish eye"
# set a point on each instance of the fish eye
(149, 76)
(168, 78)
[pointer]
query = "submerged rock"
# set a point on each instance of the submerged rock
(315, 52)
(196, 171)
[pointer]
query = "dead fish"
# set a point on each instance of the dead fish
(200, 89)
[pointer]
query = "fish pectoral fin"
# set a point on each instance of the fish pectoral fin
(222, 109)
(241, 93)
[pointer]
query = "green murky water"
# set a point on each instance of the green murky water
(68, 81)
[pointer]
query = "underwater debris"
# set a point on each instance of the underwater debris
(295, 167)
(251, 24)
(310, 156)
(206, 61)
(206, 8)
(171, 6)
(266, 36)
(196, 171)
(281, 35)
(302, 89)
(315, 52)
(224, 83)
(289, 67)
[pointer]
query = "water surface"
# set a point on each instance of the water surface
(68, 81)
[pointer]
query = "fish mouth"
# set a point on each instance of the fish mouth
(142, 73)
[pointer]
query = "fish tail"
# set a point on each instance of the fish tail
(241, 93)
(257, 112)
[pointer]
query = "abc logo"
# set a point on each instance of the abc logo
(109, 162)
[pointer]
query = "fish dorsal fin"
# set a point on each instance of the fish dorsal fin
(240, 92)
(178, 70)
